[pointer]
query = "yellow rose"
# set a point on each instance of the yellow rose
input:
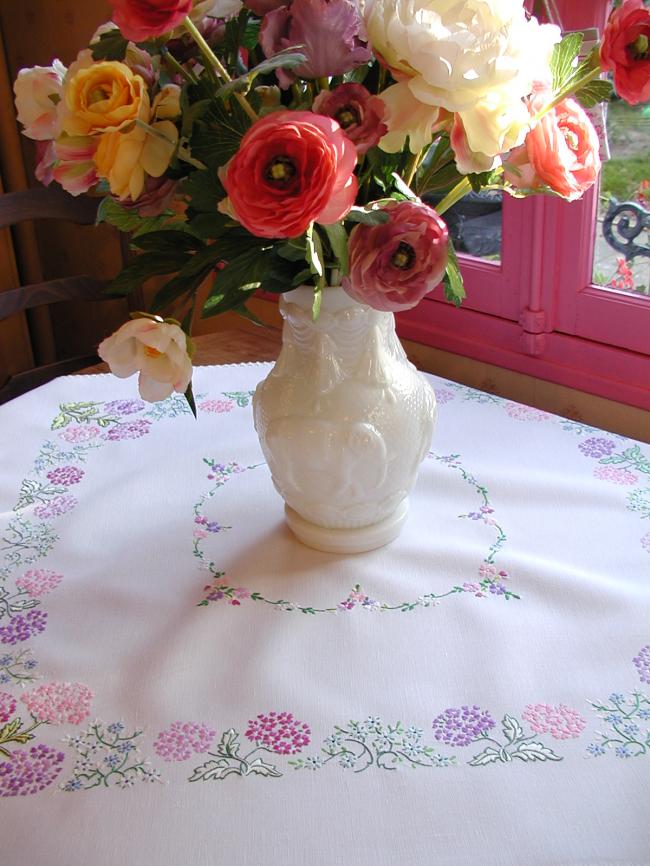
(124, 159)
(104, 97)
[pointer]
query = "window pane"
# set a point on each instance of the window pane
(475, 223)
(624, 203)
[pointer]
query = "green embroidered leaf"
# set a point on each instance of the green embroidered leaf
(535, 752)
(60, 421)
(512, 730)
(258, 767)
(487, 756)
(9, 732)
(213, 771)
(229, 742)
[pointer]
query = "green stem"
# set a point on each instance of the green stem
(217, 65)
(414, 161)
(323, 84)
(172, 63)
(461, 189)
(575, 86)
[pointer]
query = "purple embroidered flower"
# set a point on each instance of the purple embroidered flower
(216, 595)
(30, 771)
(642, 663)
(124, 407)
(59, 703)
(444, 395)
(22, 626)
(560, 722)
(461, 726)
(39, 582)
(128, 430)
(76, 433)
(525, 413)
(616, 475)
(180, 740)
(57, 506)
(279, 732)
(597, 447)
(497, 589)
(218, 406)
(7, 707)
(645, 542)
(65, 476)
(213, 526)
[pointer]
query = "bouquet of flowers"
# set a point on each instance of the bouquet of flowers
(272, 144)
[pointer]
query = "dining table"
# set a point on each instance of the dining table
(183, 683)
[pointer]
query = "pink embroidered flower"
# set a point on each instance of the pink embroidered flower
(219, 406)
(59, 703)
(486, 570)
(525, 413)
(39, 582)
(57, 506)
(357, 595)
(181, 740)
(80, 433)
(65, 476)
(200, 533)
(616, 475)
(645, 542)
(561, 722)
(357, 111)
(7, 707)
(279, 732)
(242, 592)
(475, 588)
(30, 771)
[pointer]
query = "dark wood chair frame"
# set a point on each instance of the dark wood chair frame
(43, 204)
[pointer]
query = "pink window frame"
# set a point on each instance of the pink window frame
(537, 311)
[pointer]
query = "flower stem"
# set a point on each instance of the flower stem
(455, 195)
(414, 161)
(563, 94)
(173, 64)
(217, 65)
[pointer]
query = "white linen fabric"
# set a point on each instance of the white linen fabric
(182, 682)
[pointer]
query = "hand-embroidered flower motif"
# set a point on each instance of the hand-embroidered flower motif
(39, 582)
(124, 407)
(182, 739)
(645, 542)
(128, 430)
(218, 406)
(615, 474)
(525, 413)
(29, 770)
(642, 664)
(57, 506)
(59, 703)
(78, 433)
(22, 626)
(561, 722)
(444, 395)
(65, 476)
(460, 726)
(597, 447)
(279, 732)
(7, 707)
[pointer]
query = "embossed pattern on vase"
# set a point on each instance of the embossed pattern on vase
(344, 418)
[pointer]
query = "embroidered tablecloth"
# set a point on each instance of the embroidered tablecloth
(181, 682)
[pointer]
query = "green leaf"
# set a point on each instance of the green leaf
(453, 279)
(219, 133)
(244, 273)
(512, 730)
(563, 59)
(111, 46)
(315, 255)
(403, 187)
(189, 277)
(128, 220)
(295, 249)
(338, 239)
(281, 273)
(438, 157)
(8, 732)
(287, 59)
(142, 268)
(301, 278)
(367, 216)
(168, 241)
(593, 93)
(318, 300)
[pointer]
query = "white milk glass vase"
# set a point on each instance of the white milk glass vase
(344, 420)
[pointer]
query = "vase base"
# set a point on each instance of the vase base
(358, 540)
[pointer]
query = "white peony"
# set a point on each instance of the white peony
(473, 58)
(158, 350)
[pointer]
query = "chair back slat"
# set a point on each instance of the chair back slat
(82, 288)
(42, 204)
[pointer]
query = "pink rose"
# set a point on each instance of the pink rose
(75, 168)
(358, 113)
(625, 50)
(561, 151)
(394, 265)
(140, 20)
(330, 33)
(292, 168)
(45, 159)
(38, 91)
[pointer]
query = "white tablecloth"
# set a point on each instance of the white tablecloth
(181, 682)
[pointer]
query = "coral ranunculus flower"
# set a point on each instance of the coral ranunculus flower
(140, 20)
(626, 51)
(292, 168)
(394, 265)
(357, 111)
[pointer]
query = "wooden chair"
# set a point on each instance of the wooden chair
(45, 204)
